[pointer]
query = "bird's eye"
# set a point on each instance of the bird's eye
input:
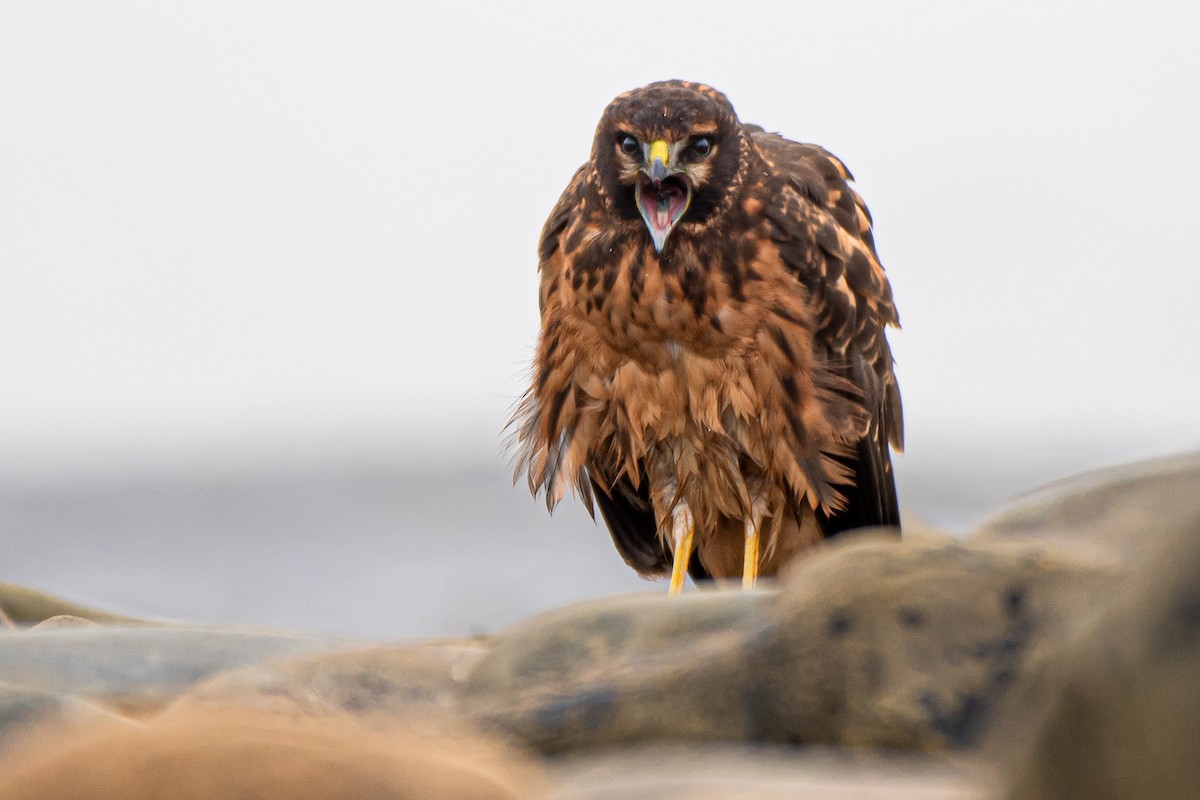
(629, 145)
(702, 146)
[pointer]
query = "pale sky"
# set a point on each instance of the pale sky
(236, 226)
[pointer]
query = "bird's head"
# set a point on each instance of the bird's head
(667, 152)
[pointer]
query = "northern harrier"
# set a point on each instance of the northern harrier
(712, 367)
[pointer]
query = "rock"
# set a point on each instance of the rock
(1114, 514)
(1115, 713)
(615, 633)
(255, 755)
(22, 706)
(384, 683)
(739, 772)
(1060, 643)
(870, 643)
(909, 645)
(141, 667)
(64, 621)
(22, 605)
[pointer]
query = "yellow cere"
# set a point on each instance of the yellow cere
(659, 150)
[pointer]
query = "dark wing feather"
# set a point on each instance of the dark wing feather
(823, 231)
(871, 500)
(630, 519)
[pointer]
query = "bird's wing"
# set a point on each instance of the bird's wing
(539, 436)
(564, 211)
(630, 519)
(822, 230)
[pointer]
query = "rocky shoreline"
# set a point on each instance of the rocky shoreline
(1052, 653)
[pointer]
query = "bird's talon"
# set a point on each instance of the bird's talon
(682, 533)
(750, 557)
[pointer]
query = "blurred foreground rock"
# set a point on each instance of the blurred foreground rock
(733, 771)
(1116, 710)
(871, 644)
(252, 755)
(20, 604)
(1052, 654)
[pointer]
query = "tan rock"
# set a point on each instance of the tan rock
(24, 606)
(254, 755)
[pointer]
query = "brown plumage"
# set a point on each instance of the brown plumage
(712, 349)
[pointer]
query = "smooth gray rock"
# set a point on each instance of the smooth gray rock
(142, 666)
(380, 682)
(23, 706)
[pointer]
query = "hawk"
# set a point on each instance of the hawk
(712, 368)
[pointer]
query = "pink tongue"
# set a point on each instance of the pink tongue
(670, 198)
(662, 214)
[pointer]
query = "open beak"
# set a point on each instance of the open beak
(662, 193)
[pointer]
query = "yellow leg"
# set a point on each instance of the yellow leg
(750, 556)
(682, 531)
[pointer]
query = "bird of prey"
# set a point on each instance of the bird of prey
(712, 368)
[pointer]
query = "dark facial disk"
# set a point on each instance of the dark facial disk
(667, 153)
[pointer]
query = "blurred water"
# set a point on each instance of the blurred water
(359, 545)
